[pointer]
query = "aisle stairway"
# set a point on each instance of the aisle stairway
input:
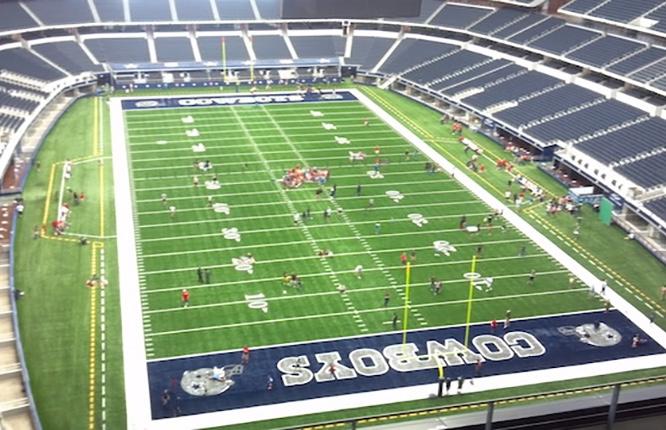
(14, 405)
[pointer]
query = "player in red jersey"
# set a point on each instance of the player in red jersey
(185, 298)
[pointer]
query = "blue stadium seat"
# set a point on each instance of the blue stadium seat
(367, 51)
(194, 10)
(19, 60)
(411, 52)
(605, 50)
(173, 49)
(564, 39)
(318, 46)
(585, 122)
(210, 48)
(648, 172)
(559, 100)
(14, 17)
(638, 60)
(61, 11)
(627, 142)
(459, 16)
(119, 50)
(67, 55)
(512, 89)
(624, 10)
(456, 60)
(270, 47)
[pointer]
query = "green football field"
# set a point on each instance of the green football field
(64, 338)
(250, 149)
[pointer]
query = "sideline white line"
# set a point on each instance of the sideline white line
(137, 396)
(61, 193)
(102, 329)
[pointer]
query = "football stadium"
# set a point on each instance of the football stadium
(314, 214)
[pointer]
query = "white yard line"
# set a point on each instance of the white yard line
(245, 172)
(313, 257)
(298, 296)
(298, 242)
(229, 145)
(239, 163)
(217, 113)
(360, 336)
(231, 195)
(215, 131)
(162, 136)
(176, 112)
(218, 129)
(374, 209)
(273, 279)
(360, 311)
(333, 224)
(336, 157)
(244, 145)
(340, 187)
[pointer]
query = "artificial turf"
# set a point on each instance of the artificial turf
(250, 149)
(54, 313)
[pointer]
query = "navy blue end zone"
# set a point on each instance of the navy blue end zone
(234, 100)
(566, 340)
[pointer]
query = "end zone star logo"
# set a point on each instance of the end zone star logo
(210, 381)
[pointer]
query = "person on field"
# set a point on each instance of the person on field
(185, 298)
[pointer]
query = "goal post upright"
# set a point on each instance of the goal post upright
(470, 297)
(405, 312)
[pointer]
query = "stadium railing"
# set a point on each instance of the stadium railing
(17, 334)
(490, 405)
